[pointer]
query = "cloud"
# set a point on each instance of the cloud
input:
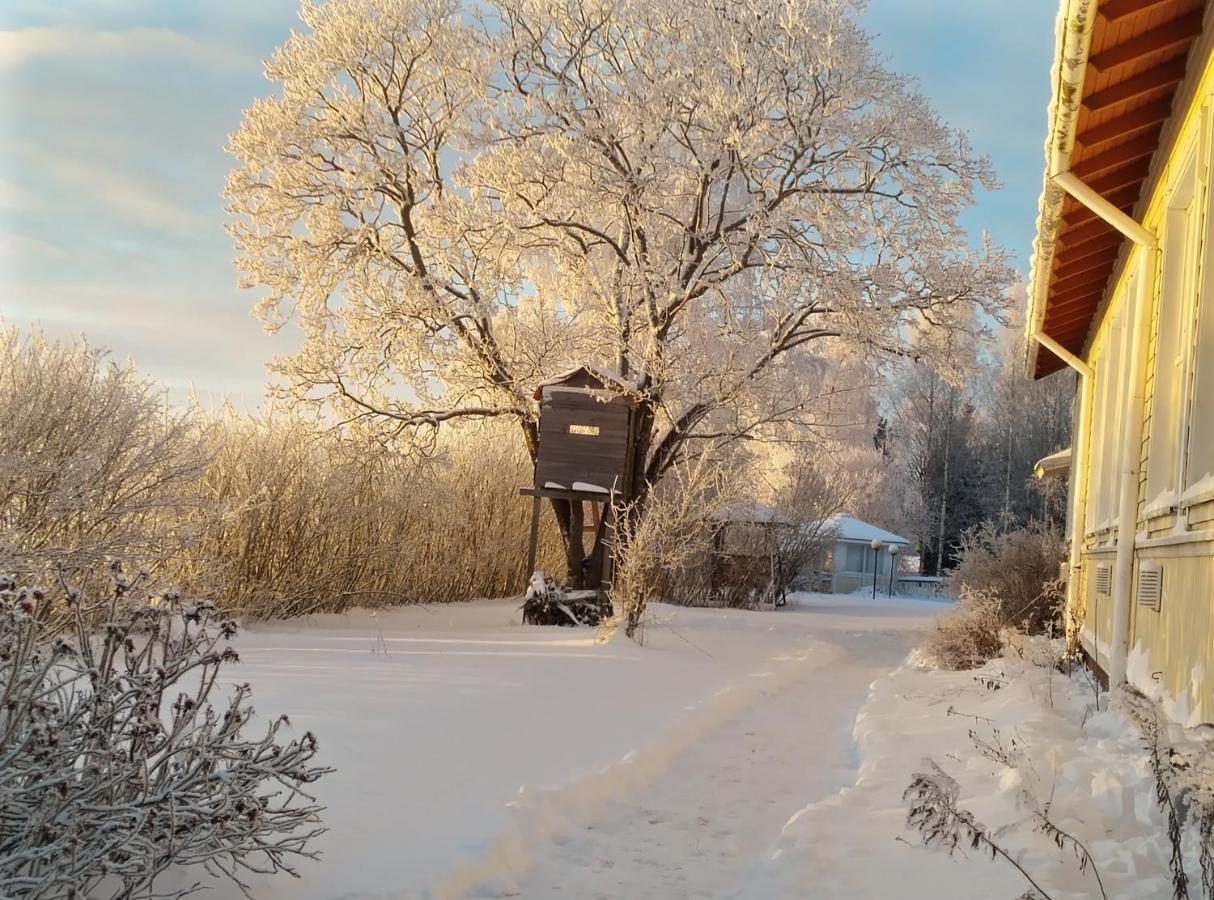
(189, 335)
(22, 46)
(13, 197)
(122, 195)
(19, 247)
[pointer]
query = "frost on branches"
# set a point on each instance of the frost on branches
(715, 201)
(116, 761)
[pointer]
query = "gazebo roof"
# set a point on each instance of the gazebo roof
(750, 512)
(849, 528)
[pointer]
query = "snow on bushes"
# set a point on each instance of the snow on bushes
(273, 513)
(1025, 751)
(969, 635)
(1020, 567)
(117, 760)
(1005, 581)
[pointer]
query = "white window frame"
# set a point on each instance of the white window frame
(1194, 493)
(1183, 194)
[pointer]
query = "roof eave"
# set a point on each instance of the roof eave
(1073, 39)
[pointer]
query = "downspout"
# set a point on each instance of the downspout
(1131, 436)
(1131, 458)
(1079, 464)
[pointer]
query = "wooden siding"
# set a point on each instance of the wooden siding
(1177, 640)
(567, 456)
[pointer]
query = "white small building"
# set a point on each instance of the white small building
(862, 552)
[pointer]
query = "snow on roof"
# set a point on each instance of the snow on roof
(607, 379)
(750, 511)
(1053, 465)
(849, 528)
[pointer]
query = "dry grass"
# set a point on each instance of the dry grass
(969, 635)
(1020, 567)
(273, 514)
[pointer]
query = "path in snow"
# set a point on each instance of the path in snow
(697, 832)
(475, 756)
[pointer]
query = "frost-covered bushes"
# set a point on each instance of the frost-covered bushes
(308, 521)
(1006, 581)
(969, 635)
(92, 463)
(277, 514)
(1018, 567)
(120, 759)
(662, 547)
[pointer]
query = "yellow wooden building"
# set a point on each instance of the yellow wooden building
(1122, 291)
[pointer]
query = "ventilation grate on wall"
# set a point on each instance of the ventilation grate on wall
(1104, 579)
(1150, 585)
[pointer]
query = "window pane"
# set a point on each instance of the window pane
(1200, 472)
(1176, 280)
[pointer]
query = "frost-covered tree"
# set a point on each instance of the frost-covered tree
(457, 200)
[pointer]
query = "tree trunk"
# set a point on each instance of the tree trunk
(948, 428)
(570, 518)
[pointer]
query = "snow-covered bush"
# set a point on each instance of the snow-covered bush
(118, 759)
(1020, 568)
(969, 635)
(660, 550)
(92, 463)
(308, 520)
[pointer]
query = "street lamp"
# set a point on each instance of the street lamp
(893, 564)
(876, 545)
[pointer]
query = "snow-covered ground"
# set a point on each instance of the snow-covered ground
(479, 757)
(758, 755)
(1053, 744)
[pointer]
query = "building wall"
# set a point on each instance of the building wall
(1174, 646)
(846, 577)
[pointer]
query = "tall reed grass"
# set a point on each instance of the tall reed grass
(275, 514)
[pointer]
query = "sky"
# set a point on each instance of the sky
(114, 115)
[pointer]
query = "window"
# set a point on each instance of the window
(854, 558)
(1111, 363)
(1177, 284)
(1199, 472)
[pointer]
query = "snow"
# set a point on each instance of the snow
(1142, 675)
(590, 488)
(477, 756)
(1089, 765)
(751, 512)
(736, 754)
(848, 528)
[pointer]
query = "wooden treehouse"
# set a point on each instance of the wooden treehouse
(584, 468)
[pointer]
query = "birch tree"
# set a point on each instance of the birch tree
(455, 201)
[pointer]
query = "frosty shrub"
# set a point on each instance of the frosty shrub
(969, 635)
(92, 463)
(278, 514)
(661, 551)
(118, 760)
(306, 520)
(1020, 568)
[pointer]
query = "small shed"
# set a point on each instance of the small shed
(853, 563)
(586, 427)
(747, 560)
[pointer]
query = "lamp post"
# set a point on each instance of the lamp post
(876, 545)
(893, 564)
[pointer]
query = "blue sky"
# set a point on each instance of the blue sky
(114, 115)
